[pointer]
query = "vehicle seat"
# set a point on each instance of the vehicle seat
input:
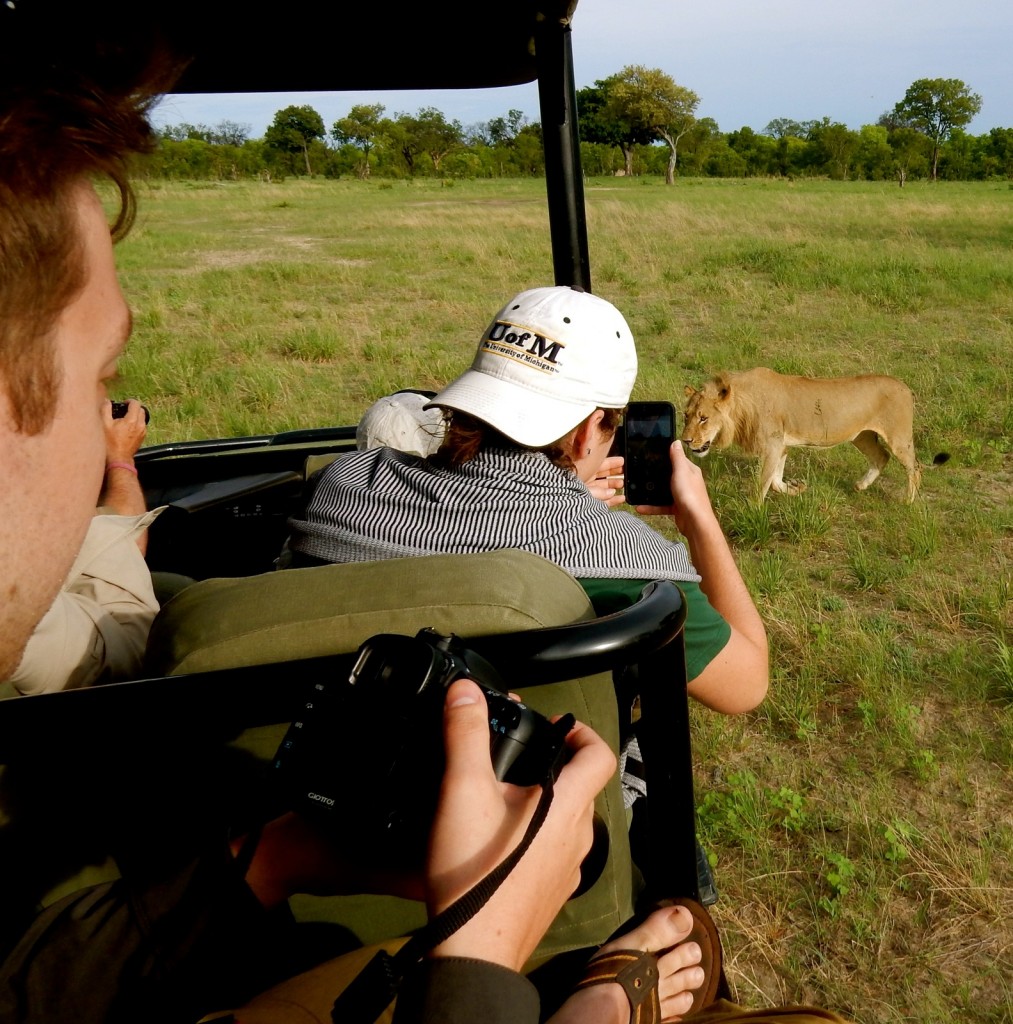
(308, 613)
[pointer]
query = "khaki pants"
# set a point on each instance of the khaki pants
(308, 997)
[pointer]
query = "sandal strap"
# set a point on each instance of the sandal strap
(637, 973)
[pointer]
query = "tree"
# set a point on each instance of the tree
(834, 146)
(1000, 150)
(602, 123)
(230, 133)
(908, 145)
(786, 128)
(935, 107)
(427, 132)
(185, 130)
(360, 129)
(436, 135)
(759, 152)
(874, 157)
(650, 100)
(503, 130)
(292, 131)
(699, 143)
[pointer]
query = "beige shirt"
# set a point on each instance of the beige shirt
(97, 628)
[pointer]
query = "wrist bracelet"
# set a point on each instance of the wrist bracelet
(122, 465)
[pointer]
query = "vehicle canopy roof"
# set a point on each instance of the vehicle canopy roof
(306, 45)
(311, 45)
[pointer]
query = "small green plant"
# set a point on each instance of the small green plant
(899, 836)
(924, 765)
(791, 808)
(735, 813)
(867, 712)
(839, 877)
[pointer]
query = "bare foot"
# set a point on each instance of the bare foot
(678, 973)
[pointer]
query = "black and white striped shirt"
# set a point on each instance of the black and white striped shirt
(382, 503)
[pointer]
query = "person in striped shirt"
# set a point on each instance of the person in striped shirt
(525, 464)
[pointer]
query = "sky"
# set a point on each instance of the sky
(749, 61)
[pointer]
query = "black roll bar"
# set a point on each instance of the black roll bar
(564, 178)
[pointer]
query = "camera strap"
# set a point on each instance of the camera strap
(376, 985)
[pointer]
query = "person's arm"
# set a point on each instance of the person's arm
(466, 991)
(474, 974)
(121, 489)
(97, 626)
(736, 679)
(479, 821)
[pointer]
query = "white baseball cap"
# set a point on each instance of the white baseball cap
(401, 421)
(550, 358)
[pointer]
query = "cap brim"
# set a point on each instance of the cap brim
(524, 416)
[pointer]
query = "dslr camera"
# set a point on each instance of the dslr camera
(120, 410)
(365, 756)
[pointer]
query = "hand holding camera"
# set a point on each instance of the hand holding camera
(478, 822)
(365, 757)
(125, 431)
(120, 410)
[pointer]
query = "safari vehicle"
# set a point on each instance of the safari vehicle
(234, 655)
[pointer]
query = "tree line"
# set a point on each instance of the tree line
(639, 121)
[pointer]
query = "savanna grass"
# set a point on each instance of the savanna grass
(859, 820)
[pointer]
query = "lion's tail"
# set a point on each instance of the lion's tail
(940, 457)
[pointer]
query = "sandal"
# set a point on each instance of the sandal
(636, 971)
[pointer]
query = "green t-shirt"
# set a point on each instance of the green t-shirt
(705, 633)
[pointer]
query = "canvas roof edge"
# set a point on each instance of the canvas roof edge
(457, 44)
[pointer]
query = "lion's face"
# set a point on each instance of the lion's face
(704, 420)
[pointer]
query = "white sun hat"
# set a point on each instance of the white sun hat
(549, 358)
(401, 421)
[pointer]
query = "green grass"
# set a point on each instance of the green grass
(860, 819)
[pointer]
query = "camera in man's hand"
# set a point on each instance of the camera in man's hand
(365, 757)
(120, 410)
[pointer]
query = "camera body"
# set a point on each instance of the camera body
(365, 756)
(120, 410)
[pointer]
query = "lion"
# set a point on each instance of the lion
(766, 413)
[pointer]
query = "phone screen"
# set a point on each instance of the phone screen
(649, 430)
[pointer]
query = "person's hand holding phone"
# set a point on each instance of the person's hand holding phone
(691, 503)
(608, 483)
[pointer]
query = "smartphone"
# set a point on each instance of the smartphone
(648, 433)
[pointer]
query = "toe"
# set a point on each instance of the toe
(659, 930)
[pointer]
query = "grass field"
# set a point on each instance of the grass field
(860, 820)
